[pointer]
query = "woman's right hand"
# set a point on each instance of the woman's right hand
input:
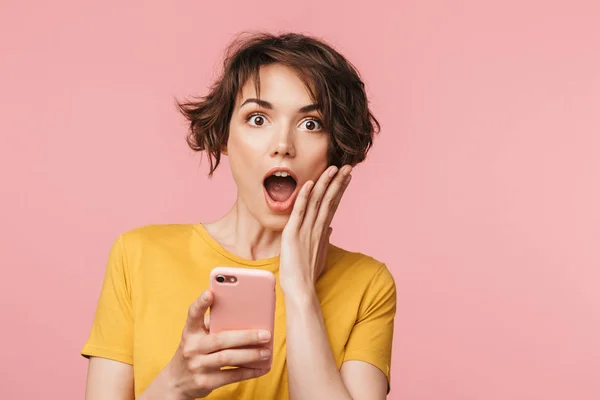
(195, 369)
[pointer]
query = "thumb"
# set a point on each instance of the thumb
(197, 311)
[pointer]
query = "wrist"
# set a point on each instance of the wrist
(296, 285)
(170, 384)
(300, 296)
(162, 388)
(296, 288)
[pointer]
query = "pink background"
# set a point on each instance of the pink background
(483, 188)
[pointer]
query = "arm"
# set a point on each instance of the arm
(195, 369)
(363, 380)
(108, 379)
(109, 347)
(312, 370)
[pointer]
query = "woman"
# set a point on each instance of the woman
(285, 105)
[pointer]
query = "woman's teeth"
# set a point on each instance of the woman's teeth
(283, 174)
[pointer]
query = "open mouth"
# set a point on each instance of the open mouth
(280, 189)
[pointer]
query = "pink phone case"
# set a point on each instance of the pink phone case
(247, 302)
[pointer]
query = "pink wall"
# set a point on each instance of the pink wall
(484, 185)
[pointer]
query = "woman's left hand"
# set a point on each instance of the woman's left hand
(305, 237)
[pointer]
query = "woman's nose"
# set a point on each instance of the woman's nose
(284, 145)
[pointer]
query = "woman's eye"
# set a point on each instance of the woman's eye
(312, 125)
(257, 120)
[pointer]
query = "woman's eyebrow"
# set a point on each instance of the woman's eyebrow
(309, 108)
(269, 106)
(262, 103)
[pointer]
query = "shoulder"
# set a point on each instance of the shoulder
(361, 283)
(359, 268)
(148, 248)
(151, 241)
(156, 234)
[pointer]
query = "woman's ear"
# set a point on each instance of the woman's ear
(224, 149)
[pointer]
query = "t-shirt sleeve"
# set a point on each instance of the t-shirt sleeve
(371, 337)
(111, 335)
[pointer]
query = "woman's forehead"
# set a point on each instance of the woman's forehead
(276, 84)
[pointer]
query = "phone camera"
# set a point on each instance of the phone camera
(220, 279)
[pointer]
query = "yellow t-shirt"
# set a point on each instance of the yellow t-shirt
(154, 273)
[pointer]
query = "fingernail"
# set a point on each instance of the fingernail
(347, 169)
(332, 172)
(264, 336)
(265, 353)
(205, 296)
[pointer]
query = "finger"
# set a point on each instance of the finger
(197, 311)
(323, 247)
(316, 195)
(232, 357)
(324, 243)
(299, 209)
(332, 199)
(228, 376)
(230, 339)
(330, 206)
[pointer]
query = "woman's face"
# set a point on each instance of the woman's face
(280, 134)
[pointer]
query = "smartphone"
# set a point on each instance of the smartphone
(244, 298)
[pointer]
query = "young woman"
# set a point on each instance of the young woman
(292, 116)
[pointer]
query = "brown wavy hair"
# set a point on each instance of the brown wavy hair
(333, 83)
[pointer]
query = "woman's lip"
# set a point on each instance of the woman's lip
(281, 206)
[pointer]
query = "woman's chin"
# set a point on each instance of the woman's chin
(274, 222)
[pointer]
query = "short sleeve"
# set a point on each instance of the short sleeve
(111, 335)
(371, 336)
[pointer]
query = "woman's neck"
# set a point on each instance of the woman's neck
(241, 234)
